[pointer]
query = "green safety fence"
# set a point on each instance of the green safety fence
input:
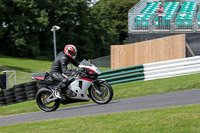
(151, 71)
(122, 75)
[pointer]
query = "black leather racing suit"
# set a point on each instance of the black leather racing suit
(59, 66)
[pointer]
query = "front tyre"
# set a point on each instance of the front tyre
(41, 97)
(105, 95)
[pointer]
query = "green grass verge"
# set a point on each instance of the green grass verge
(122, 91)
(25, 67)
(159, 86)
(29, 65)
(185, 119)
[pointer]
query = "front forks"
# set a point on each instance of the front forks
(96, 88)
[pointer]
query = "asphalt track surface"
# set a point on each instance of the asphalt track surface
(132, 104)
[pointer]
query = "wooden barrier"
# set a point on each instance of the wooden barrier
(162, 49)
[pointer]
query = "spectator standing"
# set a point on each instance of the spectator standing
(160, 12)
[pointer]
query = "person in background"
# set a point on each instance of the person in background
(160, 12)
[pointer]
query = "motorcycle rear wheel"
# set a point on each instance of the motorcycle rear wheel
(41, 96)
(105, 96)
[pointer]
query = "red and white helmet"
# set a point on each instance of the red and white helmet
(70, 50)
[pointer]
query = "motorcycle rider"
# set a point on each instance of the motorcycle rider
(59, 66)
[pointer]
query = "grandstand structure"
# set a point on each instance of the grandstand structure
(180, 16)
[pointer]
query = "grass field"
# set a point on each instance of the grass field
(26, 65)
(185, 119)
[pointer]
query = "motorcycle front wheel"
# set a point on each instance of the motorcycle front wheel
(41, 97)
(105, 95)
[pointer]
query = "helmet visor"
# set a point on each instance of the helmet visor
(72, 53)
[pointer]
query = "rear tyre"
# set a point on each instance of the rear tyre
(106, 93)
(41, 97)
(39, 86)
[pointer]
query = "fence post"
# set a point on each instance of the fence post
(8, 78)
(172, 23)
(3, 81)
(194, 23)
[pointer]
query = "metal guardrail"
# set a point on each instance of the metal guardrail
(151, 71)
(178, 22)
(136, 9)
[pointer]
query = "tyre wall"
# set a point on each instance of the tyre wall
(20, 93)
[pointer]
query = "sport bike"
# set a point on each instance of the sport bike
(84, 82)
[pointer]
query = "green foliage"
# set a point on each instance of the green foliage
(26, 25)
(115, 12)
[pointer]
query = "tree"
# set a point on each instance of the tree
(20, 26)
(26, 26)
(116, 12)
(103, 32)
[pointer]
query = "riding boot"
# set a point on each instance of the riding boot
(58, 89)
(63, 84)
(57, 92)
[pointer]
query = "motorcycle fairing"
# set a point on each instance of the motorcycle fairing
(92, 68)
(80, 86)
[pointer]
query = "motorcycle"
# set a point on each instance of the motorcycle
(84, 83)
